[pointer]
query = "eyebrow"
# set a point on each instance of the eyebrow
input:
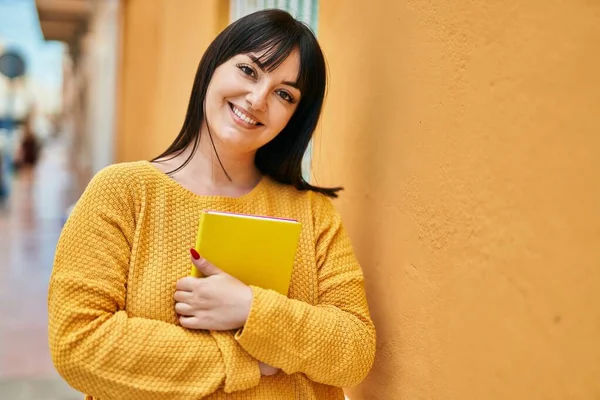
(260, 65)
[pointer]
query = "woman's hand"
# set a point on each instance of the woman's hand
(216, 302)
(267, 370)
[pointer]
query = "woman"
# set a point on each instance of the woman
(28, 150)
(126, 322)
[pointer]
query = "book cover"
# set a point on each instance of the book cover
(257, 250)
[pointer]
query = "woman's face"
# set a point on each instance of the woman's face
(246, 107)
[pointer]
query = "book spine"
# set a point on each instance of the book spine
(194, 271)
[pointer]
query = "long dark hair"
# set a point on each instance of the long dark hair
(275, 34)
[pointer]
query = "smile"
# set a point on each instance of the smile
(243, 117)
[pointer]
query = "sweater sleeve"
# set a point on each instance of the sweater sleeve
(94, 344)
(332, 342)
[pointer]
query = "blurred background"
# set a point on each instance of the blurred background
(466, 135)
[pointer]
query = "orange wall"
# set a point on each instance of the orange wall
(467, 136)
(163, 41)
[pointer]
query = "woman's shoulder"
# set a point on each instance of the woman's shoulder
(127, 170)
(319, 204)
(120, 176)
(116, 187)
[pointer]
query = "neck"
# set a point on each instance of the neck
(204, 167)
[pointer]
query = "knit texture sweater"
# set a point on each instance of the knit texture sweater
(113, 329)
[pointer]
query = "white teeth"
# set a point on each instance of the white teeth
(244, 116)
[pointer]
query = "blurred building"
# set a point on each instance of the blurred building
(91, 30)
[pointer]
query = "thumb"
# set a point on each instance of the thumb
(202, 265)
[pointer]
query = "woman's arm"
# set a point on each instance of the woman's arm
(95, 345)
(333, 342)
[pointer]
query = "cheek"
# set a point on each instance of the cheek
(215, 102)
(210, 99)
(282, 116)
(220, 88)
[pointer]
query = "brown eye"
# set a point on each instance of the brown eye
(247, 70)
(286, 96)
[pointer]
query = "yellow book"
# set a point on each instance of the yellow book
(257, 250)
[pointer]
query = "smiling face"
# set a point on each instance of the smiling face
(246, 106)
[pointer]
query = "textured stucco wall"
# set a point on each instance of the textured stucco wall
(163, 41)
(467, 135)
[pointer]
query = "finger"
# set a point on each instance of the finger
(182, 296)
(267, 370)
(186, 284)
(184, 309)
(205, 267)
(189, 322)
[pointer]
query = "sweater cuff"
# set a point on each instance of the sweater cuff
(241, 369)
(260, 326)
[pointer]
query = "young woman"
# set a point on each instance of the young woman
(126, 320)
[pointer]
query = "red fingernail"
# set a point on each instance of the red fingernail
(194, 254)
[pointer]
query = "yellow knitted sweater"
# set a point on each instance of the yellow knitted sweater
(113, 328)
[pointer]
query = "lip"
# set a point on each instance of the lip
(240, 121)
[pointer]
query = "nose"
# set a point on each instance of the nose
(257, 98)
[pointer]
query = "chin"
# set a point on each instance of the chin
(235, 140)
